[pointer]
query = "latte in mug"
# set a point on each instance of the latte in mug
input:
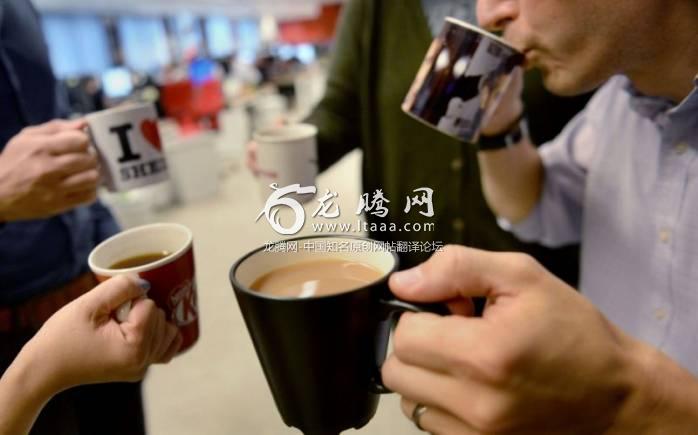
(317, 278)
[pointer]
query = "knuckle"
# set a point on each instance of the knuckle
(150, 306)
(449, 250)
(402, 336)
(92, 161)
(171, 332)
(489, 414)
(55, 123)
(161, 315)
(453, 255)
(497, 365)
(388, 372)
(121, 281)
(407, 407)
(138, 356)
(524, 265)
(92, 177)
(39, 144)
(451, 258)
(138, 339)
(41, 171)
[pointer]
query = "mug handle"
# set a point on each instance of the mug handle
(394, 308)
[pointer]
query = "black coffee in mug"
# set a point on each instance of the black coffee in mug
(139, 260)
(321, 353)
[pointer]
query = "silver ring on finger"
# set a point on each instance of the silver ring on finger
(419, 410)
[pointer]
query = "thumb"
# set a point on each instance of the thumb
(509, 106)
(117, 290)
(460, 272)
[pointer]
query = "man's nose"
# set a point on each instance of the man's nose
(495, 15)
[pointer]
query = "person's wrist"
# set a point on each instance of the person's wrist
(502, 127)
(30, 373)
(513, 135)
(631, 415)
(662, 396)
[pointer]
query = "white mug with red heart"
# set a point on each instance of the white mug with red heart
(128, 145)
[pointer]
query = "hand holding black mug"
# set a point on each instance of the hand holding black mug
(319, 312)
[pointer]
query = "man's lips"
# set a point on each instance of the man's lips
(530, 58)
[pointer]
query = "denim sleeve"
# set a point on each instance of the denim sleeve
(105, 225)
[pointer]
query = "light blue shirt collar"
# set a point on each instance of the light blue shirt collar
(657, 108)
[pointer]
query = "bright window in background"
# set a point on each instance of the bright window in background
(78, 44)
(306, 53)
(219, 34)
(144, 43)
(286, 52)
(249, 39)
(187, 32)
(116, 82)
(303, 52)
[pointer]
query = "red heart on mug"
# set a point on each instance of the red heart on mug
(149, 129)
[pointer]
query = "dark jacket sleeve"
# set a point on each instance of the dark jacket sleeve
(105, 224)
(337, 115)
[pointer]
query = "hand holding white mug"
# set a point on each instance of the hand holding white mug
(47, 169)
(541, 360)
(83, 343)
(252, 147)
(251, 157)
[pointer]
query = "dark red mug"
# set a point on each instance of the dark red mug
(172, 278)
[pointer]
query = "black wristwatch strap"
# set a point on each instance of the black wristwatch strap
(514, 135)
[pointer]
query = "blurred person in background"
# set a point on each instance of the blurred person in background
(265, 65)
(285, 79)
(49, 222)
(373, 65)
(94, 92)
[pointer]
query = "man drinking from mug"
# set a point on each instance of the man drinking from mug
(373, 64)
(619, 179)
(47, 229)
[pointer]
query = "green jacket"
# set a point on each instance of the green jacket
(378, 49)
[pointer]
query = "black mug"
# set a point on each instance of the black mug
(322, 355)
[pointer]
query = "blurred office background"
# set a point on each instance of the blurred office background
(216, 70)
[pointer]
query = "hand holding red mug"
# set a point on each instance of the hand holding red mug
(541, 360)
(163, 255)
(83, 343)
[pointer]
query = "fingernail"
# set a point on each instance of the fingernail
(407, 278)
(143, 284)
(123, 311)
